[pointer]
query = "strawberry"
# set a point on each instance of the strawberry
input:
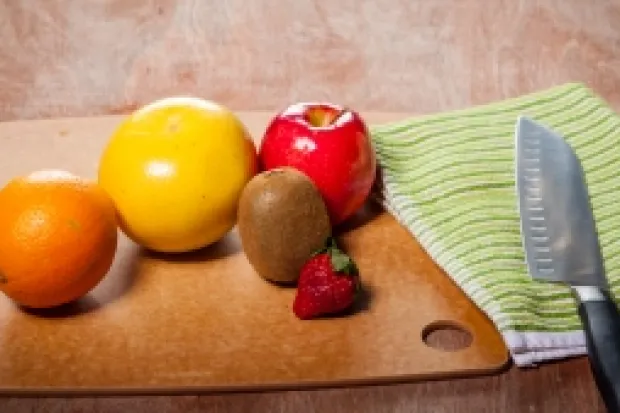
(328, 283)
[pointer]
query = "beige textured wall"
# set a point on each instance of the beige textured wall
(62, 57)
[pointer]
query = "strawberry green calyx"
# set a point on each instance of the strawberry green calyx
(341, 262)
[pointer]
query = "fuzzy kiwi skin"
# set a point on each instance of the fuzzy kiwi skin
(282, 220)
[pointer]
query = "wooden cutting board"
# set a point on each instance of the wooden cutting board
(205, 321)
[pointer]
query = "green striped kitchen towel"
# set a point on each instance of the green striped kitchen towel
(449, 178)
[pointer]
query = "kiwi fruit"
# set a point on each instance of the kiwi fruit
(282, 220)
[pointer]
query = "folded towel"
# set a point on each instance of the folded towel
(449, 178)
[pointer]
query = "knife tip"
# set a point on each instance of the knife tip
(525, 125)
(523, 120)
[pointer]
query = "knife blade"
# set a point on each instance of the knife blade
(561, 243)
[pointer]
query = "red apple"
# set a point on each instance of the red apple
(331, 145)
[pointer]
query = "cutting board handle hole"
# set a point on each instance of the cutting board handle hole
(446, 336)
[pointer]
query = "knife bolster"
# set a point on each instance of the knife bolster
(588, 293)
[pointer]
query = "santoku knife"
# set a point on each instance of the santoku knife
(561, 243)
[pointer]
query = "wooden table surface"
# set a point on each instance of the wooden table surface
(68, 58)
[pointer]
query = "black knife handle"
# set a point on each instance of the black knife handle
(601, 322)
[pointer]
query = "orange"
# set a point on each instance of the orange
(58, 238)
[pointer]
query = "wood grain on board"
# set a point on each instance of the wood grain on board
(67, 58)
